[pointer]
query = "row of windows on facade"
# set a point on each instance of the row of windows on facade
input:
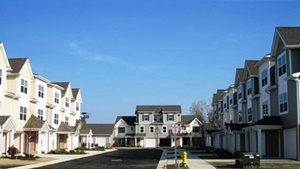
(24, 89)
(195, 141)
(23, 115)
(158, 118)
(153, 129)
(283, 102)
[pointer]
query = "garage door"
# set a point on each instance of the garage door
(290, 143)
(149, 142)
(101, 141)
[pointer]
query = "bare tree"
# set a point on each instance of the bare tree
(199, 109)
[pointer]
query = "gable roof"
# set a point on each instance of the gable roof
(250, 66)
(289, 35)
(238, 76)
(218, 95)
(2, 50)
(3, 119)
(63, 127)
(101, 128)
(187, 119)
(158, 108)
(75, 92)
(63, 85)
(16, 64)
(34, 123)
(129, 120)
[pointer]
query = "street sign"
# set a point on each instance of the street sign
(175, 128)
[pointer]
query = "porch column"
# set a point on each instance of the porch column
(191, 144)
(1, 141)
(47, 142)
(135, 141)
(11, 138)
(246, 140)
(40, 143)
(259, 141)
(22, 139)
(88, 141)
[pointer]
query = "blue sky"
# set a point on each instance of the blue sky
(123, 53)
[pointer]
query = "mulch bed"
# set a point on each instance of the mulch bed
(172, 166)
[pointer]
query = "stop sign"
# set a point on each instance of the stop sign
(175, 128)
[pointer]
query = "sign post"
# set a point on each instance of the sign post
(175, 130)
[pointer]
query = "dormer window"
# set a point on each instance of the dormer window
(170, 117)
(145, 117)
(239, 92)
(24, 86)
(77, 106)
(157, 118)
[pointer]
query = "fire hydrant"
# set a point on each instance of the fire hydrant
(184, 158)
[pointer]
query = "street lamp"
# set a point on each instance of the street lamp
(296, 77)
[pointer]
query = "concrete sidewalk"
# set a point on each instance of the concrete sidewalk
(62, 158)
(193, 161)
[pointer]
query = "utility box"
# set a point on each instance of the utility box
(248, 160)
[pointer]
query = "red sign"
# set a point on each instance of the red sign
(175, 128)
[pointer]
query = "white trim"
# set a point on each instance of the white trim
(143, 127)
(290, 61)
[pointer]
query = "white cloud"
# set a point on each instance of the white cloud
(77, 49)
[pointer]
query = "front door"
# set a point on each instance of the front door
(272, 143)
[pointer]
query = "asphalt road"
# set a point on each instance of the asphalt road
(119, 159)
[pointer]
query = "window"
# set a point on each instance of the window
(151, 129)
(225, 105)
(77, 106)
(67, 102)
(283, 102)
(0, 76)
(145, 117)
(164, 129)
(40, 114)
(56, 98)
(196, 141)
(249, 86)
(157, 118)
(67, 120)
(142, 129)
(264, 77)
(121, 141)
(41, 91)
(24, 86)
(239, 92)
(240, 117)
(249, 115)
(265, 108)
(196, 129)
(121, 129)
(23, 113)
(231, 99)
(132, 128)
(170, 117)
(281, 65)
(55, 118)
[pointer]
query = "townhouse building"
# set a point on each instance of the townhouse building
(152, 127)
(34, 111)
(266, 119)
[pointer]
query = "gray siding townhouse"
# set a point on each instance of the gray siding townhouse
(267, 114)
(286, 54)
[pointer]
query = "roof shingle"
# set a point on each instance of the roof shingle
(17, 64)
(290, 35)
(158, 108)
(101, 128)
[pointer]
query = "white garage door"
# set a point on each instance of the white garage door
(101, 141)
(290, 143)
(149, 142)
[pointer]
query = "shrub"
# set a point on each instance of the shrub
(58, 151)
(12, 151)
(100, 148)
(28, 155)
